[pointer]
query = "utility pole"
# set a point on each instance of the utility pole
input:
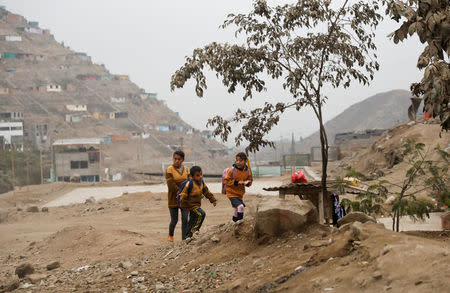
(293, 159)
(42, 171)
(13, 167)
(27, 160)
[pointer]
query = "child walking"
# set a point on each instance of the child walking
(175, 175)
(191, 200)
(236, 179)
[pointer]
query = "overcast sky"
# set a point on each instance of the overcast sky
(148, 40)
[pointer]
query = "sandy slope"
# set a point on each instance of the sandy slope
(102, 235)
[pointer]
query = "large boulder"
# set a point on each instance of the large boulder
(445, 220)
(275, 216)
(355, 217)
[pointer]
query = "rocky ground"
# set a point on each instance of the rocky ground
(119, 245)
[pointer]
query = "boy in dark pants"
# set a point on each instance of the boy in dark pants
(238, 177)
(191, 200)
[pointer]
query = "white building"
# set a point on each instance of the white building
(12, 132)
(54, 88)
(13, 38)
(118, 100)
(76, 108)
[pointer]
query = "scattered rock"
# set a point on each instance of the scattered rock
(377, 275)
(90, 200)
(125, 264)
(138, 280)
(139, 243)
(126, 209)
(125, 193)
(275, 216)
(159, 287)
(108, 272)
(134, 273)
(24, 269)
(44, 210)
(35, 278)
(53, 265)
(385, 250)
(27, 285)
(10, 285)
(19, 209)
(355, 217)
(215, 239)
(100, 208)
(445, 220)
(33, 209)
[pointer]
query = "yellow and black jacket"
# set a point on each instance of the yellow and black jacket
(193, 200)
(174, 179)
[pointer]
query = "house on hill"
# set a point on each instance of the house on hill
(11, 134)
(76, 108)
(78, 159)
(54, 88)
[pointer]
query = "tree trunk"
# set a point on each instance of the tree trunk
(398, 221)
(324, 150)
(393, 222)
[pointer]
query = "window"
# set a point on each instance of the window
(16, 128)
(78, 164)
(4, 128)
(74, 164)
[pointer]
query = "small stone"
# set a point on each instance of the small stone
(125, 264)
(19, 209)
(387, 288)
(108, 272)
(306, 246)
(27, 285)
(138, 280)
(377, 275)
(24, 269)
(385, 250)
(299, 268)
(328, 289)
(126, 209)
(36, 278)
(159, 287)
(215, 239)
(100, 208)
(418, 282)
(53, 265)
(44, 210)
(139, 243)
(11, 285)
(134, 273)
(89, 200)
(33, 209)
(346, 263)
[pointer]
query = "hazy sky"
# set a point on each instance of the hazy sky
(148, 40)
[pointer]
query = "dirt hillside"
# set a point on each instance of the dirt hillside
(120, 245)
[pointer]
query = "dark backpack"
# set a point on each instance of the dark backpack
(190, 186)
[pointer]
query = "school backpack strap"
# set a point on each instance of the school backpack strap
(190, 186)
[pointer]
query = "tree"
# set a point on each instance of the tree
(430, 21)
(306, 46)
(423, 173)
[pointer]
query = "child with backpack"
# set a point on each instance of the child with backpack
(176, 174)
(190, 199)
(234, 181)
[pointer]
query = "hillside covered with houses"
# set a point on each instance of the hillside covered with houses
(49, 93)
